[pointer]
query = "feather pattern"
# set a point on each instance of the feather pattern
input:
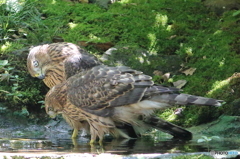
(105, 96)
(101, 88)
(102, 99)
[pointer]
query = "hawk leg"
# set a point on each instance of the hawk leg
(75, 133)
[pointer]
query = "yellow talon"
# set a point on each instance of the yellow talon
(75, 133)
(91, 142)
(75, 143)
(100, 142)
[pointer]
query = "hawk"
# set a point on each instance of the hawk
(56, 62)
(105, 96)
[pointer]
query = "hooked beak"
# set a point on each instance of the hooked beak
(40, 76)
(55, 119)
(52, 115)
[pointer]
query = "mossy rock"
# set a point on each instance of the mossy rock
(225, 126)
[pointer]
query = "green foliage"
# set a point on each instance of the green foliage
(15, 94)
(120, 24)
(18, 20)
(19, 93)
(198, 37)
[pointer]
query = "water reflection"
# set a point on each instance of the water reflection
(114, 146)
(157, 143)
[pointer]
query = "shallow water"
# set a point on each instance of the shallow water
(55, 137)
(143, 145)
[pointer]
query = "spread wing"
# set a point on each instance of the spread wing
(102, 88)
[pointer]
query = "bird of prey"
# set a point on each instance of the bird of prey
(101, 85)
(55, 62)
(105, 96)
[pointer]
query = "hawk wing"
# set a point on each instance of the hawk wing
(102, 88)
(79, 62)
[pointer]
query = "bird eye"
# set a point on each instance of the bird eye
(35, 63)
(50, 109)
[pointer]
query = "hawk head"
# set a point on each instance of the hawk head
(55, 100)
(55, 62)
(38, 61)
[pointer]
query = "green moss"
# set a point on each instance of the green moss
(199, 38)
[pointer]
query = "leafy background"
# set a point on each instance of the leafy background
(150, 35)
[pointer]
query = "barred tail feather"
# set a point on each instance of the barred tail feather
(186, 99)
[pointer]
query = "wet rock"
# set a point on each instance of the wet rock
(60, 129)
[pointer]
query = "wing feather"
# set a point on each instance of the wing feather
(102, 88)
(79, 62)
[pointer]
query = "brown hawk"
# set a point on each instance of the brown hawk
(105, 96)
(54, 63)
(50, 62)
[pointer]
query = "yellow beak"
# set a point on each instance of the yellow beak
(40, 76)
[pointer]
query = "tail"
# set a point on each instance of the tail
(186, 99)
(150, 122)
(167, 127)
